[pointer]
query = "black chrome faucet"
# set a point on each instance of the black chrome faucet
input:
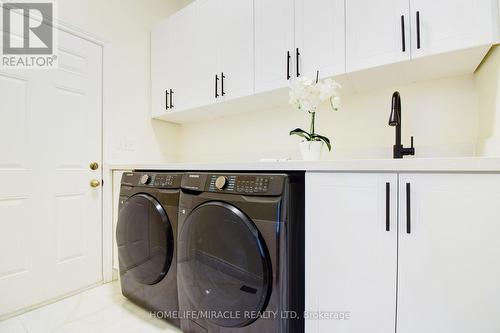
(395, 120)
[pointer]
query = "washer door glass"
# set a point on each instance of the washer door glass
(224, 264)
(145, 239)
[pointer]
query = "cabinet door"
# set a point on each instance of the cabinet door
(447, 25)
(182, 61)
(274, 26)
(160, 59)
(351, 258)
(449, 262)
(236, 47)
(320, 37)
(375, 34)
(207, 52)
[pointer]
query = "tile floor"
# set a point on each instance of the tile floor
(102, 309)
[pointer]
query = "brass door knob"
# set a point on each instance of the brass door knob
(95, 183)
(94, 166)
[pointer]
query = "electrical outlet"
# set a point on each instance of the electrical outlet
(126, 145)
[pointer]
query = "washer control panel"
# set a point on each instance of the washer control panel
(252, 184)
(248, 184)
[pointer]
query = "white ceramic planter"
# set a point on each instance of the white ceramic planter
(311, 150)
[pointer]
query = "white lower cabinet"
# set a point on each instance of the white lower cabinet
(449, 263)
(422, 257)
(351, 259)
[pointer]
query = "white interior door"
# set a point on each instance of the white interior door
(449, 263)
(50, 217)
(351, 257)
(374, 33)
(447, 25)
(320, 37)
(274, 37)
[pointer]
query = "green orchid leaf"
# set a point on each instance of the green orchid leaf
(300, 132)
(318, 137)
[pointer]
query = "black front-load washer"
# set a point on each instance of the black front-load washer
(146, 234)
(241, 252)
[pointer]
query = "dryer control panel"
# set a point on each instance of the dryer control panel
(249, 184)
(152, 179)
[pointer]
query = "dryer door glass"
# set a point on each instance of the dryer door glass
(223, 263)
(145, 239)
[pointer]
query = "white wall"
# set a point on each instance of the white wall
(488, 87)
(442, 115)
(127, 25)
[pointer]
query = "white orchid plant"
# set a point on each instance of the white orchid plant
(307, 95)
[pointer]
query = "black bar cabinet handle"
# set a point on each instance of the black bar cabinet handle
(222, 83)
(418, 29)
(297, 54)
(387, 206)
(403, 38)
(171, 98)
(288, 65)
(216, 84)
(166, 99)
(408, 208)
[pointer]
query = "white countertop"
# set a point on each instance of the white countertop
(466, 164)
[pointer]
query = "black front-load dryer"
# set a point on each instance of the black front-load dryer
(241, 253)
(146, 234)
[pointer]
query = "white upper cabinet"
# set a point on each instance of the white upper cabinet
(207, 43)
(274, 44)
(449, 253)
(390, 31)
(351, 251)
(445, 25)
(182, 59)
(214, 51)
(320, 37)
(173, 64)
(224, 56)
(377, 33)
(159, 68)
(236, 48)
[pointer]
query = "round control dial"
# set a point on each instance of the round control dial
(145, 179)
(221, 182)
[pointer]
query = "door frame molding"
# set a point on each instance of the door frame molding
(106, 172)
